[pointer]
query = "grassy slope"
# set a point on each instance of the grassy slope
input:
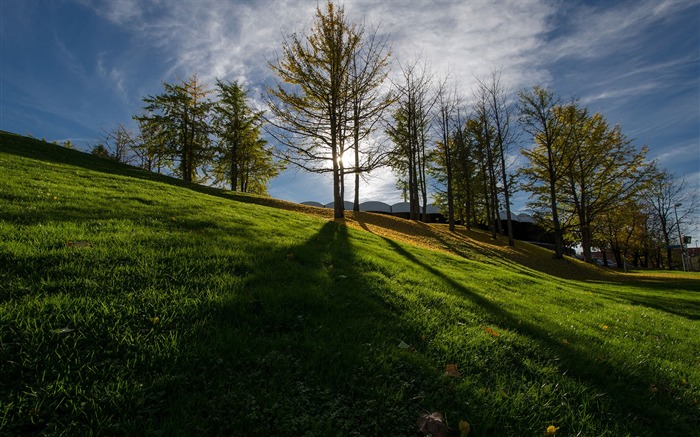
(132, 303)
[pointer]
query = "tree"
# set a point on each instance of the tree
(499, 111)
(180, 117)
(310, 115)
(447, 104)
(241, 160)
(603, 170)
(622, 230)
(463, 169)
(487, 147)
(662, 198)
(410, 134)
(475, 176)
(547, 158)
(101, 151)
(150, 145)
(119, 142)
(368, 71)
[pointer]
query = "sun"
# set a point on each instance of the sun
(347, 158)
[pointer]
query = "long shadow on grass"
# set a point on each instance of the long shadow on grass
(663, 413)
(661, 296)
(305, 347)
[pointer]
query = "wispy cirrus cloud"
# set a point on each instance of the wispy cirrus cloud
(594, 31)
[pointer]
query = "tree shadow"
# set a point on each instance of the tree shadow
(628, 393)
(299, 349)
(662, 296)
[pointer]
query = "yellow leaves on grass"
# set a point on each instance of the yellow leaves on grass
(551, 430)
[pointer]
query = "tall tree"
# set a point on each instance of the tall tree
(242, 160)
(500, 113)
(150, 144)
(310, 114)
(368, 101)
(666, 197)
(447, 105)
(488, 152)
(603, 170)
(410, 134)
(181, 113)
(547, 158)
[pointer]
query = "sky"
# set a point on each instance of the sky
(73, 69)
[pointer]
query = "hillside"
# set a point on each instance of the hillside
(134, 303)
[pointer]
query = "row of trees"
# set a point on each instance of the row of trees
(198, 139)
(588, 182)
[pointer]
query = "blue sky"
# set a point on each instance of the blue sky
(70, 69)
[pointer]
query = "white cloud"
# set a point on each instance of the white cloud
(593, 31)
(681, 153)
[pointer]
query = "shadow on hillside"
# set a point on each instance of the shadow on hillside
(297, 351)
(662, 296)
(629, 394)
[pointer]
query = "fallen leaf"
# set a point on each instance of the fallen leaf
(433, 424)
(490, 331)
(451, 370)
(404, 345)
(464, 428)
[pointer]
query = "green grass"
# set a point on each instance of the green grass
(132, 303)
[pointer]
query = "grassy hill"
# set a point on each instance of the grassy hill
(133, 303)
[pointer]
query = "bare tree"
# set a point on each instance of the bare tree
(488, 163)
(368, 101)
(119, 142)
(667, 197)
(447, 105)
(500, 112)
(409, 132)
